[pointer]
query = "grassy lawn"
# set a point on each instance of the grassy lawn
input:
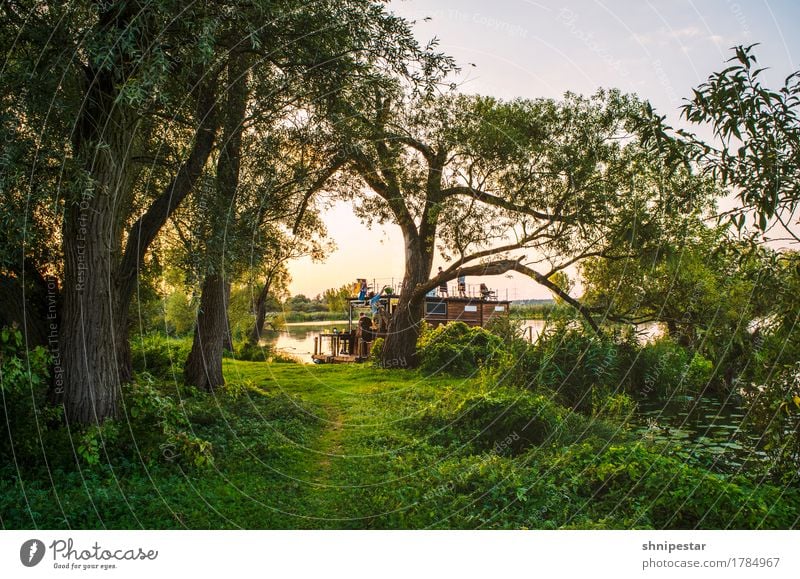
(304, 446)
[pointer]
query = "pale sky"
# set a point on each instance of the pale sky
(657, 49)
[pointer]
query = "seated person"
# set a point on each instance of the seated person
(485, 291)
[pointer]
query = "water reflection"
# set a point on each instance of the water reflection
(297, 339)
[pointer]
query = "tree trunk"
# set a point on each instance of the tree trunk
(88, 341)
(146, 228)
(99, 278)
(261, 314)
(204, 365)
(89, 332)
(227, 339)
(400, 347)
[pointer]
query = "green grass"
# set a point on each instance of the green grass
(347, 446)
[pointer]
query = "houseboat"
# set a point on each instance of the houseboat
(349, 346)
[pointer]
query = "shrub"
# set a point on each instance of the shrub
(23, 382)
(665, 369)
(508, 420)
(573, 363)
(673, 493)
(158, 427)
(376, 351)
(179, 313)
(252, 352)
(159, 355)
(505, 421)
(457, 349)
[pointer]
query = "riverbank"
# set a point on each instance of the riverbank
(354, 447)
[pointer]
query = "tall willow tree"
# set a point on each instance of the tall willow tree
(528, 186)
(127, 111)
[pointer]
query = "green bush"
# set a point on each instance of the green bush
(157, 426)
(179, 313)
(260, 353)
(299, 316)
(160, 355)
(457, 349)
(508, 420)
(592, 485)
(573, 363)
(376, 351)
(665, 369)
(23, 381)
(251, 352)
(672, 494)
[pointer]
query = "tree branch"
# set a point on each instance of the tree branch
(326, 174)
(500, 267)
(490, 199)
(145, 229)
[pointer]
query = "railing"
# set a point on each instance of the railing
(378, 284)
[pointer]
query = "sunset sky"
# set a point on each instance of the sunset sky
(657, 49)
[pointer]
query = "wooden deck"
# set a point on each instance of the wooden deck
(339, 359)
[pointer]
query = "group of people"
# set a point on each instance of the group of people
(368, 326)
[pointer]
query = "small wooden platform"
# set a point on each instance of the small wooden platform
(339, 359)
(338, 348)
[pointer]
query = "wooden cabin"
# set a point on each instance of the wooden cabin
(342, 347)
(471, 311)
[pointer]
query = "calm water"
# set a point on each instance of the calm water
(297, 339)
(713, 431)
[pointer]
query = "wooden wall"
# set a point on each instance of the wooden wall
(471, 312)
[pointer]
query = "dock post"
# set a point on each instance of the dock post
(316, 345)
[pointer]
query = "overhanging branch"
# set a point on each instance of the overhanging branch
(500, 267)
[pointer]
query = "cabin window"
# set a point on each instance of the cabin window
(499, 308)
(435, 308)
(470, 308)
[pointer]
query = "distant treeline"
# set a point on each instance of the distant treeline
(312, 316)
(532, 309)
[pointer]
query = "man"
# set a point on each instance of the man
(462, 285)
(365, 329)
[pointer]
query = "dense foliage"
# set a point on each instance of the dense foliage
(456, 349)
(356, 447)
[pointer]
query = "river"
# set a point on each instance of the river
(297, 339)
